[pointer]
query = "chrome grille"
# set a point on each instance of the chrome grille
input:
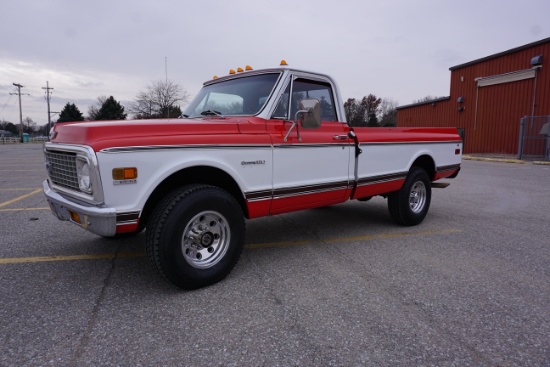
(61, 168)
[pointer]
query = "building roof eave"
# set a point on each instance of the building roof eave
(503, 53)
(431, 101)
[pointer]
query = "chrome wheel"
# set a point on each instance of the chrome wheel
(205, 239)
(417, 197)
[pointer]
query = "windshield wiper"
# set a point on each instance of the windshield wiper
(212, 113)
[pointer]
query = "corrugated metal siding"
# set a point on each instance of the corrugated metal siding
(500, 108)
(495, 129)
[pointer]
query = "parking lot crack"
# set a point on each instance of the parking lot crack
(94, 316)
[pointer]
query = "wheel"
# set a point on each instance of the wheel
(410, 205)
(195, 236)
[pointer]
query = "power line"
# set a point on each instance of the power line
(5, 104)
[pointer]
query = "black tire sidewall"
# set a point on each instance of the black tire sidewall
(186, 206)
(408, 217)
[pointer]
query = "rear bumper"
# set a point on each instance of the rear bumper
(455, 174)
(101, 221)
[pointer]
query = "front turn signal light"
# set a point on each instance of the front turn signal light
(125, 173)
(75, 217)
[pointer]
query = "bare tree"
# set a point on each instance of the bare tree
(161, 99)
(30, 125)
(388, 112)
(425, 99)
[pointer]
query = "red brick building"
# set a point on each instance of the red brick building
(488, 97)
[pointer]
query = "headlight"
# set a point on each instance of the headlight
(83, 175)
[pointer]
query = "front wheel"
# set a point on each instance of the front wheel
(195, 236)
(410, 204)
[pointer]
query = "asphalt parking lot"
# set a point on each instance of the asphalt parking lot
(336, 286)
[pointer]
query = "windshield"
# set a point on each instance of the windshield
(241, 96)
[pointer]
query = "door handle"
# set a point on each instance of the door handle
(340, 137)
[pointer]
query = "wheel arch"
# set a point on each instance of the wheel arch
(427, 163)
(200, 175)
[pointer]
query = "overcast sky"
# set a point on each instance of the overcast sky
(399, 49)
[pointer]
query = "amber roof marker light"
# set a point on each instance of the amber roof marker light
(247, 68)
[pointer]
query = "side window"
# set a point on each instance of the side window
(281, 112)
(303, 88)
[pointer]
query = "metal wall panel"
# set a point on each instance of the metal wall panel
(489, 115)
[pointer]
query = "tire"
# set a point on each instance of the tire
(195, 236)
(410, 204)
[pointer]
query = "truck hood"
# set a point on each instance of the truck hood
(123, 133)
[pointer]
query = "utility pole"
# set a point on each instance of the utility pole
(166, 86)
(19, 86)
(48, 93)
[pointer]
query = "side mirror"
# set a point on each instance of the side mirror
(310, 109)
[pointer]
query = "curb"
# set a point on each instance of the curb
(503, 160)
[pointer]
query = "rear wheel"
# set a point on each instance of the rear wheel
(195, 236)
(410, 205)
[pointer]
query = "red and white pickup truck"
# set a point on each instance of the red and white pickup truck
(250, 144)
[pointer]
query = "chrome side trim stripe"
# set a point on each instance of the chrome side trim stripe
(410, 142)
(296, 191)
(299, 145)
(221, 146)
(309, 189)
(365, 181)
(258, 195)
(181, 147)
(260, 146)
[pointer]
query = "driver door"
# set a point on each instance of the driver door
(310, 166)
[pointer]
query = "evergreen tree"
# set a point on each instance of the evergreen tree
(372, 120)
(12, 128)
(111, 109)
(173, 112)
(70, 113)
(372, 109)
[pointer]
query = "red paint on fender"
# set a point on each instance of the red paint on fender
(125, 133)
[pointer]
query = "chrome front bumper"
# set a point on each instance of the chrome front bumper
(101, 221)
